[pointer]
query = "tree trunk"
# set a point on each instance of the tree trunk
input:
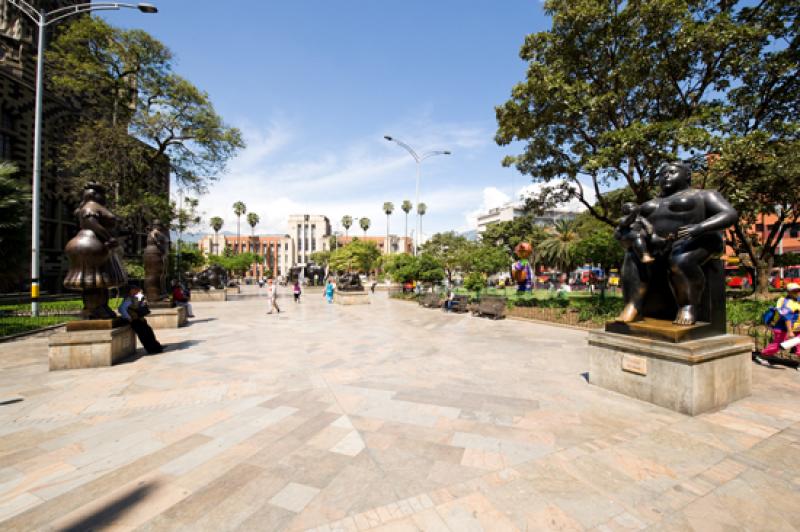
(762, 279)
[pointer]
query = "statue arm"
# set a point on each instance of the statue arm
(723, 215)
(91, 221)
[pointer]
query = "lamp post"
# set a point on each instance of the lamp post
(43, 19)
(418, 159)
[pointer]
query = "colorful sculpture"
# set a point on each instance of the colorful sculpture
(521, 270)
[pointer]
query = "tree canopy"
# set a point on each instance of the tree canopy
(616, 88)
(358, 255)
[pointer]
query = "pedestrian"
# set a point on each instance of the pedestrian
(785, 325)
(329, 291)
(180, 299)
(133, 310)
(272, 296)
(297, 291)
(372, 286)
(261, 282)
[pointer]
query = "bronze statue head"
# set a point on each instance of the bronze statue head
(629, 208)
(674, 177)
(94, 192)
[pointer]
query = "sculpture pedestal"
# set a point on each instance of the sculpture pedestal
(83, 346)
(351, 298)
(690, 377)
(233, 290)
(200, 296)
(167, 318)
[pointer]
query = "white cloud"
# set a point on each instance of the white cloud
(492, 197)
(278, 175)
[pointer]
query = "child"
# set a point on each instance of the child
(634, 231)
(297, 291)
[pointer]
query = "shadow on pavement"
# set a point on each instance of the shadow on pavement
(204, 320)
(168, 348)
(106, 516)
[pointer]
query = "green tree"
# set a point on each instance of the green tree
(364, 223)
(239, 208)
(347, 222)
(388, 209)
(406, 207)
(252, 220)
(450, 249)
(15, 201)
(216, 224)
(139, 120)
(613, 89)
(486, 259)
(321, 258)
(402, 268)
(358, 255)
(430, 269)
(421, 210)
(559, 248)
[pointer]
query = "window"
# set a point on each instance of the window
(5, 146)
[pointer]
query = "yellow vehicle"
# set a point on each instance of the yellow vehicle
(613, 280)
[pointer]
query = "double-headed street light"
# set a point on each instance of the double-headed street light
(43, 19)
(418, 159)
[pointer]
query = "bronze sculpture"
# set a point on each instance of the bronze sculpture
(94, 265)
(685, 238)
(349, 282)
(214, 276)
(156, 255)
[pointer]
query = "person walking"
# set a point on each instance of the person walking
(272, 296)
(785, 326)
(180, 298)
(133, 309)
(297, 291)
(329, 291)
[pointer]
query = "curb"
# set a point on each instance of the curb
(11, 337)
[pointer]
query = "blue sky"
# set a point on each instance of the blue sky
(315, 84)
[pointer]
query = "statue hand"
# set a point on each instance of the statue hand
(112, 243)
(688, 231)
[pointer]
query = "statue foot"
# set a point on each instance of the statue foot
(647, 258)
(686, 316)
(629, 313)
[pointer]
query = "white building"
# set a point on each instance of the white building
(510, 211)
(309, 233)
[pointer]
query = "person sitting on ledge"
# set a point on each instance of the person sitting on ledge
(133, 310)
(180, 298)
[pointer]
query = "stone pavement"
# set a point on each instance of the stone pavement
(385, 416)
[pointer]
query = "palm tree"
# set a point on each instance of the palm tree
(406, 206)
(347, 221)
(216, 225)
(253, 219)
(559, 248)
(364, 223)
(421, 210)
(388, 208)
(239, 208)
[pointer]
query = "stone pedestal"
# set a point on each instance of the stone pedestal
(200, 296)
(167, 318)
(690, 377)
(233, 290)
(351, 298)
(77, 349)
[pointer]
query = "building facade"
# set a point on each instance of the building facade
(396, 244)
(511, 211)
(310, 233)
(276, 251)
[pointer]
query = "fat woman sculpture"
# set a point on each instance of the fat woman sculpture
(94, 265)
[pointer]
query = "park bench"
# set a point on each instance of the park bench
(491, 306)
(460, 303)
(430, 300)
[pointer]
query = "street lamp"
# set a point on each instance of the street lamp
(418, 159)
(43, 19)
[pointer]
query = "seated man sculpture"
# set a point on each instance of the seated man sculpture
(687, 227)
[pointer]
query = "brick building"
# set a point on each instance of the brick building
(276, 251)
(397, 244)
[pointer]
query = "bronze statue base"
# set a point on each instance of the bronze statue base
(663, 330)
(96, 325)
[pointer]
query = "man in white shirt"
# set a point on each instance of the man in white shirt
(272, 296)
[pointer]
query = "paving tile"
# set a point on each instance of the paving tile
(294, 497)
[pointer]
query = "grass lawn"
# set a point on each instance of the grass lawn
(16, 324)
